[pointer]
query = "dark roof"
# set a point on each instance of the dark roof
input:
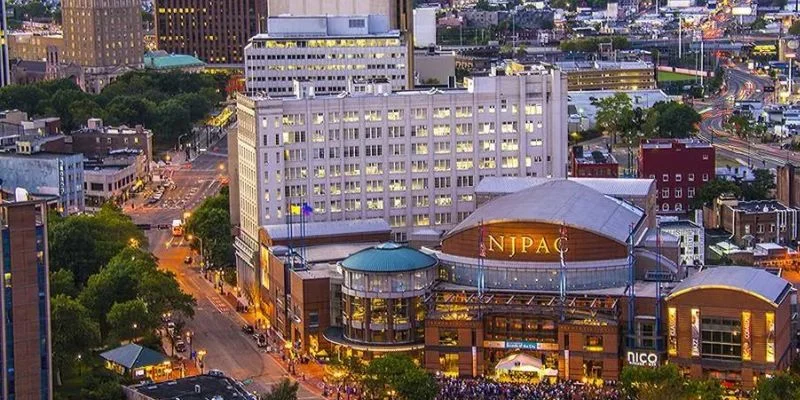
(134, 356)
(32, 66)
(756, 282)
(388, 257)
(184, 389)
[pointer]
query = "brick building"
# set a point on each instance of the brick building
(751, 222)
(680, 168)
(788, 185)
(597, 164)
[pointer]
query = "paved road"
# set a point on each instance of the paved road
(216, 326)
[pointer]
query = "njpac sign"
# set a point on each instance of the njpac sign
(643, 359)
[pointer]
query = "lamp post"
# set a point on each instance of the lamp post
(201, 354)
(792, 44)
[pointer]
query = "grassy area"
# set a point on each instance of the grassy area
(666, 76)
(723, 161)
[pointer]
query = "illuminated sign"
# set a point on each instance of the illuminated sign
(672, 330)
(695, 332)
(747, 353)
(515, 344)
(770, 317)
(642, 359)
(523, 244)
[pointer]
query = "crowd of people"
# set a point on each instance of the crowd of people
(459, 389)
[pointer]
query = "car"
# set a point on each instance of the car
(261, 340)
(248, 329)
(180, 346)
(187, 260)
(216, 372)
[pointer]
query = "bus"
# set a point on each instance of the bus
(177, 227)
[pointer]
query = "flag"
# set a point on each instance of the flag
(295, 210)
(482, 244)
(307, 209)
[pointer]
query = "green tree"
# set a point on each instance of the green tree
(74, 333)
(760, 187)
(671, 120)
(399, 375)
(346, 371)
(742, 127)
(211, 223)
(666, 383)
(758, 24)
(131, 319)
(62, 282)
(283, 390)
(84, 109)
(712, 190)
(615, 116)
(22, 97)
(782, 386)
(795, 28)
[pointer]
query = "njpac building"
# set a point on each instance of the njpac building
(556, 279)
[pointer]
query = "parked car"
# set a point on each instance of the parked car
(248, 329)
(216, 372)
(187, 260)
(261, 340)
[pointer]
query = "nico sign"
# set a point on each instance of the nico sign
(642, 359)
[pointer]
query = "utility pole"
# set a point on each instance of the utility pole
(702, 61)
(680, 33)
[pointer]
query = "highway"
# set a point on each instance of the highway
(216, 327)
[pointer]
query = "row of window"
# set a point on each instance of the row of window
(679, 177)
(397, 114)
(678, 193)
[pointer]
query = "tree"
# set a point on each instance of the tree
(782, 386)
(62, 282)
(666, 383)
(671, 120)
(401, 376)
(758, 24)
(283, 390)
(131, 319)
(795, 28)
(760, 187)
(712, 190)
(347, 371)
(211, 223)
(74, 333)
(615, 115)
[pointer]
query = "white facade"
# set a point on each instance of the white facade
(325, 50)
(424, 27)
(412, 158)
(691, 240)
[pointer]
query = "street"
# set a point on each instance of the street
(216, 327)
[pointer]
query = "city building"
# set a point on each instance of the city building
(788, 185)
(583, 108)
(752, 222)
(104, 37)
(44, 173)
(598, 163)
(608, 75)
(326, 52)
(400, 13)
(425, 27)
(5, 68)
(411, 158)
(97, 141)
(691, 239)
(26, 353)
(677, 182)
(541, 275)
(196, 28)
(33, 46)
(113, 178)
(730, 323)
(435, 68)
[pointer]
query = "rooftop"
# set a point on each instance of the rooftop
(670, 143)
(596, 157)
(759, 206)
(211, 387)
(387, 258)
(754, 281)
(163, 60)
(560, 201)
(134, 356)
(330, 228)
(324, 26)
(572, 66)
(678, 224)
(609, 186)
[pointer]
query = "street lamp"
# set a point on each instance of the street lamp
(201, 354)
(792, 44)
(221, 166)
(133, 242)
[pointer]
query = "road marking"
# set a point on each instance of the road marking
(219, 304)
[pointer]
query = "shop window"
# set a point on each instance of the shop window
(721, 338)
(593, 369)
(378, 311)
(402, 335)
(448, 337)
(448, 364)
(313, 319)
(593, 343)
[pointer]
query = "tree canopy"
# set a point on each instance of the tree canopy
(168, 103)
(713, 189)
(666, 383)
(671, 120)
(398, 374)
(211, 222)
(283, 390)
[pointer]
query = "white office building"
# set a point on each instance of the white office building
(412, 158)
(326, 51)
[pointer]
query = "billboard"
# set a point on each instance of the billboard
(672, 331)
(741, 11)
(747, 349)
(695, 332)
(770, 317)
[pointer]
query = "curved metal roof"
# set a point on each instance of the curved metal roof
(559, 202)
(387, 258)
(753, 281)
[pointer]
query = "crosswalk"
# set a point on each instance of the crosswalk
(219, 303)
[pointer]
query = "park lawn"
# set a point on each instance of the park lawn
(666, 76)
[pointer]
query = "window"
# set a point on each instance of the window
(422, 220)
(593, 343)
(397, 221)
(705, 177)
(419, 131)
(678, 192)
(721, 338)
(463, 164)
(665, 207)
(356, 23)
(394, 115)
(397, 132)
(665, 193)
(463, 147)
(419, 183)
(398, 202)
(443, 218)
(678, 207)
(463, 129)
(465, 181)
(374, 168)
(441, 182)
(443, 200)
(313, 319)
(419, 148)
(691, 177)
(373, 132)
(441, 130)
(351, 151)
(510, 145)
(690, 192)
(373, 150)
(421, 201)
(442, 148)
(441, 112)
(665, 177)
(397, 149)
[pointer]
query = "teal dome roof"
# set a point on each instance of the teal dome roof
(387, 258)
